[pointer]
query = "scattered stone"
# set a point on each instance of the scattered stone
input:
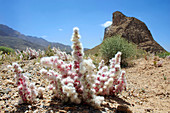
(37, 83)
(30, 107)
(7, 90)
(6, 97)
(4, 70)
(62, 111)
(16, 104)
(10, 82)
(123, 108)
(85, 111)
(148, 110)
(41, 106)
(69, 108)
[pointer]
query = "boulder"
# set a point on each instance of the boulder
(134, 31)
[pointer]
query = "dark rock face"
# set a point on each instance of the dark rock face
(134, 31)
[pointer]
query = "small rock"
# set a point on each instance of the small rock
(29, 107)
(6, 97)
(141, 103)
(1, 102)
(41, 106)
(106, 109)
(7, 90)
(37, 63)
(148, 110)
(123, 108)
(62, 111)
(4, 70)
(36, 111)
(16, 104)
(69, 108)
(10, 82)
(27, 111)
(37, 83)
(85, 111)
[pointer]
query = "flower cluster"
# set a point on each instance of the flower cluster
(77, 81)
(110, 80)
(29, 53)
(27, 92)
(61, 54)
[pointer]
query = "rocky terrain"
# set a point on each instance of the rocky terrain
(148, 91)
(134, 31)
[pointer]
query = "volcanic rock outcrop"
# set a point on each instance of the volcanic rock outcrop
(134, 31)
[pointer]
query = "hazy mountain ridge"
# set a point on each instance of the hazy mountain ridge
(18, 39)
(17, 43)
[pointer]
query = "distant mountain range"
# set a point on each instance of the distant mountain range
(14, 39)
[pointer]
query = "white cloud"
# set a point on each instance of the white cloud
(60, 29)
(106, 24)
(44, 36)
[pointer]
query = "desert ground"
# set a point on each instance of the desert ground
(148, 90)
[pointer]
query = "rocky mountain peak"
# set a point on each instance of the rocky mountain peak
(134, 31)
(118, 18)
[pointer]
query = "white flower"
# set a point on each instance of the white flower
(70, 85)
(20, 69)
(104, 87)
(32, 85)
(43, 71)
(9, 66)
(100, 90)
(41, 90)
(105, 69)
(75, 29)
(15, 65)
(106, 83)
(110, 80)
(117, 57)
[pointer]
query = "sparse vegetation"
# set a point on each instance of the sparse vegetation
(165, 78)
(112, 45)
(49, 51)
(163, 55)
(6, 50)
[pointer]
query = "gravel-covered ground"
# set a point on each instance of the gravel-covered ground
(148, 91)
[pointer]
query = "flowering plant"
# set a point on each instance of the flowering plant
(77, 81)
(29, 53)
(61, 54)
(27, 92)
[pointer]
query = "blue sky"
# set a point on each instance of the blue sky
(54, 19)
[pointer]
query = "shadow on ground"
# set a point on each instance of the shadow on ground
(57, 106)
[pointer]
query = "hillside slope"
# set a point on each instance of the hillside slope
(17, 43)
(36, 42)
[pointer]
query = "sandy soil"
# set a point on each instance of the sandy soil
(149, 86)
(148, 91)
